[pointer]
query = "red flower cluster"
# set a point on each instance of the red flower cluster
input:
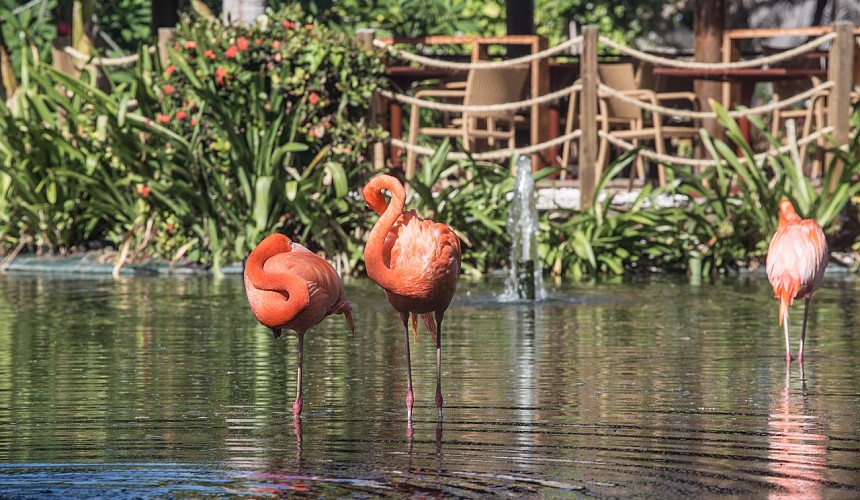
(170, 70)
(168, 89)
(288, 25)
(232, 52)
(242, 43)
(162, 118)
(209, 54)
(143, 190)
(190, 44)
(220, 74)
(313, 98)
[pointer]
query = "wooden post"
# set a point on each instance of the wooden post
(365, 38)
(166, 36)
(841, 71)
(708, 24)
(539, 113)
(588, 118)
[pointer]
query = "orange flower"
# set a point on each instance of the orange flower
(242, 43)
(232, 52)
(143, 190)
(220, 73)
(168, 89)
(276, 44)
(314, 98)
(194, 121)
(288, 25)
(190, 44)
(258, 41)
(181, 114)
(209, 54)
(170, 69)
(163, 118)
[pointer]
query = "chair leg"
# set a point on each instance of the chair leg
(660, 148)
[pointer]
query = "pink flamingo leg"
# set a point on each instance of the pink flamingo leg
(803, 330)
(297, 406)
(439, 366)
(409, 395)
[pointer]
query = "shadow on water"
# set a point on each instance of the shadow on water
(168, 387)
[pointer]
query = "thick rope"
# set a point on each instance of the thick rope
(749, 63)
(489, 108)
(490, 155)
(683, 113)
(677, 160)
(22, 8)
(100, 61)
(438, 63)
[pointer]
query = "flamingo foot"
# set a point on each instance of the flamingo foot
(297, 407)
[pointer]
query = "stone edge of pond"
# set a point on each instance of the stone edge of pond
(88, 264)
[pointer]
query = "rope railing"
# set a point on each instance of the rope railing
(489, 108)
(677, 160)
(439, 63)
(605, 91)
(683, 113)
(101, 61)
(748, 63)
(491, 155)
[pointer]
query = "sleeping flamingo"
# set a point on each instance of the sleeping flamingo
(416, 262)
(288, 286)
(796, 260)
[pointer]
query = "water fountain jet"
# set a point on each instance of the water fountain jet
(525, 281)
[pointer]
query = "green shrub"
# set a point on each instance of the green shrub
(276, 116)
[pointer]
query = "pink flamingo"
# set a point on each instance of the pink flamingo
(288, 286)
(416, 262)
(796, 260)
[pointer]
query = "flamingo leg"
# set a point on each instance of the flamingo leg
(297, 406)
(803, 330)
(787, 348)
(409, 395)
(439, 366)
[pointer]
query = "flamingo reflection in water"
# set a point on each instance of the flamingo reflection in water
(797, 455)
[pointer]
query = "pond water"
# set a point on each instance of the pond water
(152, 387)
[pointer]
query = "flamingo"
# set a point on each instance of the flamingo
(796, 260)
(416, 262)
(288, 286)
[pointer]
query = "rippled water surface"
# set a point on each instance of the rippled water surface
(168, 387)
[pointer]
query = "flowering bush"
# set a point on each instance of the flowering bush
(276, 115)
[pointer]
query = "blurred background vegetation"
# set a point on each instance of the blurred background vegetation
(246, 130)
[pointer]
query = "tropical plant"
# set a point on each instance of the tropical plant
(734, 204)
(276, 112)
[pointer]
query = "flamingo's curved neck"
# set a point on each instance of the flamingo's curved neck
(389, 213)
(293, 285)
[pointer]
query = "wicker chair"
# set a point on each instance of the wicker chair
(485, 86)
(627, 121)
